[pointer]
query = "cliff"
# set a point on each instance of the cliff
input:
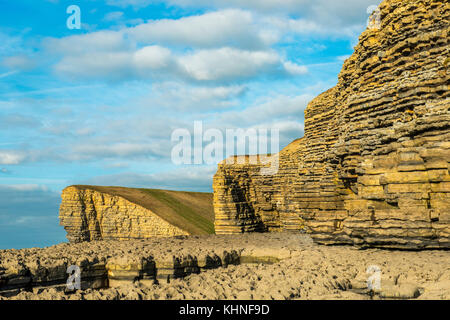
(373, 166)
(114, 213)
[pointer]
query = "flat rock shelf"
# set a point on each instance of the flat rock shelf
(247, 266)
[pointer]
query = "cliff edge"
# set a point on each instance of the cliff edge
(116, 213)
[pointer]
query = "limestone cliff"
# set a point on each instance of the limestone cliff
(94, 213)
(373, 166)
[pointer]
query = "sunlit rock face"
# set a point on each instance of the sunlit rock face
(88, 215)
(373, 166)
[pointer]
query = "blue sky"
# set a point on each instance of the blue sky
(97, 105)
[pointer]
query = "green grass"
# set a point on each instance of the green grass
(190, 215)
(192, 212)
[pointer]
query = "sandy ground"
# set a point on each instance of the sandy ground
(304, 270)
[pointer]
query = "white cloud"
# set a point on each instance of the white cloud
(300, 25)
(24, 187)
(18, 62)
(152, 57)
(234, 27)
(15, 120)
(309, 7)
(224, 45)
(183, 97)
(228, 64)
(218, 65)
(121, 149)
(295, 69)
(116, 165)
(145, 63)
(272, 108)
(16, 156)
(308, 27)
(327, 13)
(125, 3)
(106, 65)
(8, 157)
(191, 178)
(99, 41)
(84, 131)
(113, 16)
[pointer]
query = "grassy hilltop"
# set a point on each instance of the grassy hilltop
(190, 211)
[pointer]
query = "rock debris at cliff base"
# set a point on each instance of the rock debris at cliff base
(248, 266)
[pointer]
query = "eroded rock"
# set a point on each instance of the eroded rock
(373, 166)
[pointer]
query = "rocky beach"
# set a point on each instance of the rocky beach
(255, 266)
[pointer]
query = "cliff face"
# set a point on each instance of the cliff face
(373, 166)
(88, 215)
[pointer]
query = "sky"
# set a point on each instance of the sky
(98, 105)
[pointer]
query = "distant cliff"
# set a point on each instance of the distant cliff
(373, 166)
(94, 213)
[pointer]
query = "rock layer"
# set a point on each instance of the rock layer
(373, 166)
(89, 215)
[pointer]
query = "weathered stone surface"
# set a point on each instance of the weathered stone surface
(91, 215)
(373, 166)
(113, 263)
(258, 266)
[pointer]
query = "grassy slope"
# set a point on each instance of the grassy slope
(190, 211)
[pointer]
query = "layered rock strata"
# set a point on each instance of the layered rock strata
(373, 166)
(87, 215)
